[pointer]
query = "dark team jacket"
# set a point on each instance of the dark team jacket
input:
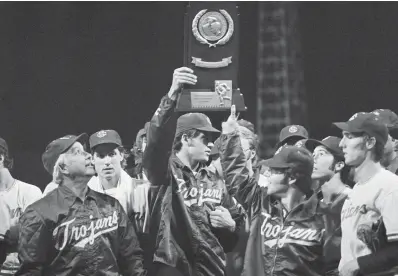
(180, 202)
(63, 235)
(280, 242)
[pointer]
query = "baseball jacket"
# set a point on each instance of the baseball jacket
(280, 242)
(63, 235)
(180, 226)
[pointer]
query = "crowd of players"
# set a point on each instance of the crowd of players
(207, 205)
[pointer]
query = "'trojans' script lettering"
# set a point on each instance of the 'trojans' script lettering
(84, 234)
(194, 195)
(275, 234)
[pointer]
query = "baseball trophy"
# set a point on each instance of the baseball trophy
(211, 46)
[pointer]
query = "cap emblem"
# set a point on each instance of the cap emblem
(101, 134)
(293, 129)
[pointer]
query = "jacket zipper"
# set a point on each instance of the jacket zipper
(284, 219)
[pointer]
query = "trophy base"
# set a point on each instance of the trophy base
(202, 100)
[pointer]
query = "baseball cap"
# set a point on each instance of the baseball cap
(389, 117)
(291, 157)
(59, 146)
(3, 144)
(292, 131)
(331, 143)
(108, 136)
(197, 121)
(368, 123)
(300, 143)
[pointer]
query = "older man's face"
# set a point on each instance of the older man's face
(78, 162)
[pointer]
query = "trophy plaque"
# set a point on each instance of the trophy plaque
(211, 48)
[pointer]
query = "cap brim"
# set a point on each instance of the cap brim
(272, 163)
(279, 144)
(82, 138)
(208, 129)
(346, 127)
(311, 144)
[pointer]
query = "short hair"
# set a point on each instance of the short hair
(177, 144)
(58, 176)
(8, 161)
(378, 149)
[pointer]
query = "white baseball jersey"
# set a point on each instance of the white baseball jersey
(131, 196)
(362, 212)
(15, 199)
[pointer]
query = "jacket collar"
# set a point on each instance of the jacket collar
(178, 163)
(303, 211)
(70, 197)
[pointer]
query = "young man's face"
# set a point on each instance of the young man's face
(278, 181)
(323, 163)
(78, 162)
(354, 149)
(107, 161)
(198, 148)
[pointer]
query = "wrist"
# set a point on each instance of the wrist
(173, 92)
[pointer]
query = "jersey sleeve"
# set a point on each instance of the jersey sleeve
(388, 209)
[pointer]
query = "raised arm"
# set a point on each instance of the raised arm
(155, 158)
(240, 184)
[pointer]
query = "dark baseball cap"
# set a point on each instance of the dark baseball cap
(3, 144)
(198, 121)
(59, 146)
(389, 117)
(292, 157)
(368, 123)
(331, 143)
(292, 131)
(108, 136)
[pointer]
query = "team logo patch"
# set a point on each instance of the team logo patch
(293, 129)
(101, 134)
(299, 144)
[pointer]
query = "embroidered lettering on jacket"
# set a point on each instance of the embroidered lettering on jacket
(83, 234)
(194, 195)
(275, 235)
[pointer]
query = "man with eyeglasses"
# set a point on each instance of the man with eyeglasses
(74, 230)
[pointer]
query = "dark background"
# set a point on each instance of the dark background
(74, 67)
